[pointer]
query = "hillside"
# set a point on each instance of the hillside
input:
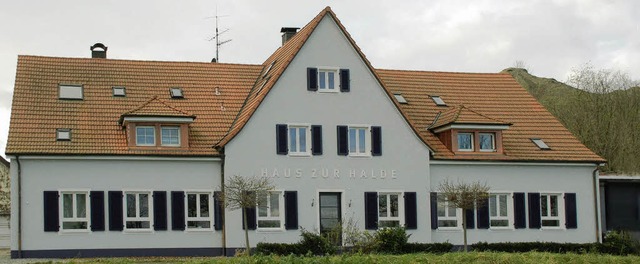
(606, 120)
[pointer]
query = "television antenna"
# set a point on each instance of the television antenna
(219, 32)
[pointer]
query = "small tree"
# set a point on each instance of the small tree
(464, 196)
(242, 193)
(5, 190)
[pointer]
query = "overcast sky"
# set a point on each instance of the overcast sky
(550, 36)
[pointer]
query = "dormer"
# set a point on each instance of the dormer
(466, 131)
(157, 124)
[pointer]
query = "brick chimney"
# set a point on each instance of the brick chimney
(98, 50)
(288, 33)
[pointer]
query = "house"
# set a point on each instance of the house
(620, 203)
(124, 158)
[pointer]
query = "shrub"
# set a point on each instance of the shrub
(315, 244)
(551, 247)
(392, 240)
(278, 249)
(619, 243)
(436, 248)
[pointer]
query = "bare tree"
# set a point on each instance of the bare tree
(243, 193)
(464, 196)
(521, 65)
(5, 190)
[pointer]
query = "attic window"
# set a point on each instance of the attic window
(73, 92)
(262, 86)
(540, 143)
(438, 100)
(400, 98)
(119, 91)
(176, 92)
(63, 134)
(268, 69)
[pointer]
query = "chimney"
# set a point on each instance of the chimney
(98, 50)
(288, 33)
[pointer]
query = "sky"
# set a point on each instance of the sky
(551, 37)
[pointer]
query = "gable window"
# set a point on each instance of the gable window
(499, 210)
(75, 211)
(487, 142)
(199, 208)
(271, 210)
(137, 206)
(358, 141)
(327, 80)
(389, 206)
(550, 210)
(73, 92)
(298, 136)
(145, 136)
(448, 216)
(465, 141)
(170, 136)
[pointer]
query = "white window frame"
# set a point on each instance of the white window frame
(198, 217)
(307, 127)
(493, 141)
(336, 80)
(137, 218)
(367, 141)
(154, 136)
(75, 217)
(442, 201)
(281, 212)
(509, 206)
(472, 141)
(400, 217)
(559, 217)
(177, 128)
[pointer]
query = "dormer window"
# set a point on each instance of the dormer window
(176, 92)
(170, 136)
(487, 142)
(70, 92)
(145, 136)
(465, 141)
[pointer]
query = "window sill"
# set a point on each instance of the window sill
(270, 230)
(449, 229)
(505, 228)
(488, 150)
(299, 154)
(198, 230)
(74, 231)
(359, 156)
(328, 91)
(138, 231)
(552, 228)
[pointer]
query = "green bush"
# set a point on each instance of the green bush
(392, 240)
(619, 243)
(436, 248)
(282, 249)
(315, 244)
(551, 247)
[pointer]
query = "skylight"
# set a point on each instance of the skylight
(63, 134)
(438, 100)
(176, 92)
(400, 98)
(268, 69)
(119, 91)
(540, 143)
(70, 92)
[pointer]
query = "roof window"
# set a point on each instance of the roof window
(540, 143)
(119, 91)
(73, 92)
(268, 69)
(176, 92)
(63, 134)
(400, 98)
(438, 100)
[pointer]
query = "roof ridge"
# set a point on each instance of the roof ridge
(462, 106)
(449, 72)
(155, 98)
(131, 60)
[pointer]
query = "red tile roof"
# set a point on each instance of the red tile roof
(157, 107)
(463, 115)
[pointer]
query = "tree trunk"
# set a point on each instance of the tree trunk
(246, 232)
(464, 229)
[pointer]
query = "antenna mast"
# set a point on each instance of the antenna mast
(217, 36)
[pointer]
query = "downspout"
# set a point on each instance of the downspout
(224, 228)
(596, 200)
(19, 181)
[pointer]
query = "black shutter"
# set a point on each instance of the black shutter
(251, 219)
(469, 215)
(291, 210)
(410, 210)
(281, 139)
(316, 140)
(520, 211)
(115, 211)
(97, 210)
(159, 210)
(312, 79)
(217, 210)
(343, 141)
(344, 80)
(177, 210)
(483, 214)
(51, 221)
(434, 210)
(376, 141)
(371, 210)
(571, 220)
(534, 210)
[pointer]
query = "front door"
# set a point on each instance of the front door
(331, 215)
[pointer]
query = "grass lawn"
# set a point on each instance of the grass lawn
(474, 257)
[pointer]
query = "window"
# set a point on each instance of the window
(137, 210)
(63, 134)
(170, 136)
(447, 215)
(75, 211)
(550, 210)
(499, 210)
(176, 92)
(540, 144)
(487, 142)
(199, 208)
(358, 141)
(119, 91)
(70, 92)
(389, 206)
(439, 102)
(327, 80)
(465, 141)
(298, 138)
(400, 98)
(145, 136)
(271, 210)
